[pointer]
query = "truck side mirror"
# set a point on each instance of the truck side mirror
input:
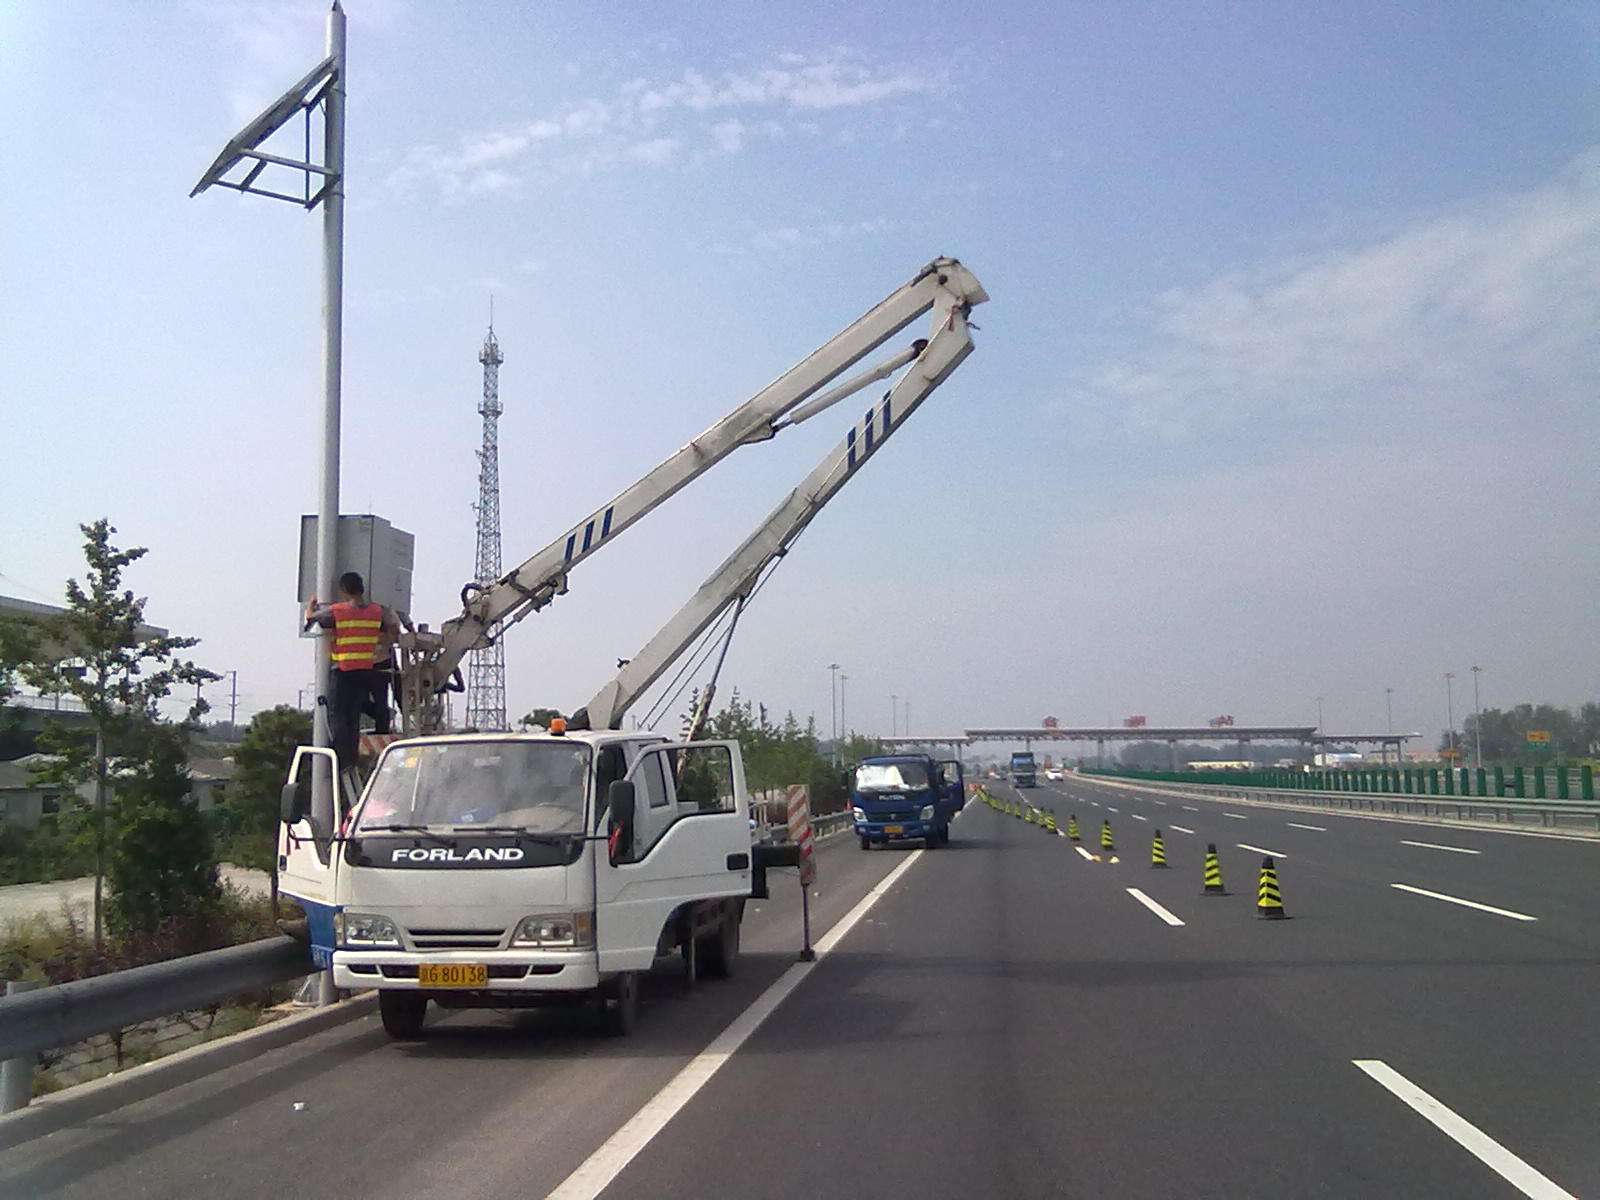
(620, 798)
(290, 806)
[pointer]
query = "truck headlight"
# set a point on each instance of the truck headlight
(927, 812)
(365, 930)
(554, 931)
(859, 814)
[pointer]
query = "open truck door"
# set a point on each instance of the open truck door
(308, 847)
(953, 782)
(686, 840)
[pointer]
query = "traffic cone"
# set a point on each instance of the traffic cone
(1050, 823)
(1072, 827)
(1269, 901)
(1213, 873)
(1106, 843)
(1158, 853)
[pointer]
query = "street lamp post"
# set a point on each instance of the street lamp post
(322, 88)
(833, 707)
(1450, 709)
(1388, 705)
(844, 729)
(1477, 721)
(894, 714)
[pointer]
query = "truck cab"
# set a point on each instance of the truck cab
(508, 870)
(1024, 772)
(902, 797)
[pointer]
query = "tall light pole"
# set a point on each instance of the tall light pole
(1388, 706)
(1450, 709)
(323, 87)
(844, 728)
(1477, 721)
(833, 707)
(1319, 714)
(894, 714)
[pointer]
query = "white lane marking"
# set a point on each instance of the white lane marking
(1488, 908)
(1259, 850)
(1480, 1145)
(597, 1171)
(1154, 907)
(1190, 808)
(1162, 803)
(1315, 828)
(1237, 816)
(1180, 828)
(1084, 852)
(1437, 846)
(1137, 817)
(1110, 809)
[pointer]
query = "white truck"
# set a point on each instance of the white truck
(512, 869)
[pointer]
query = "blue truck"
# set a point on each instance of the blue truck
(1023, 771)
(906, 797)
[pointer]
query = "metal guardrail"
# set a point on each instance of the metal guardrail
(1464, 808)
(70, 1012)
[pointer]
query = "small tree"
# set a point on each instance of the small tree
(539, 716)
(121, 672)
(261, 763)
(160, 862)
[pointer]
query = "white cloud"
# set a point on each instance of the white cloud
(1490, 310)
(649, 122)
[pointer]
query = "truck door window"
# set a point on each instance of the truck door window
(653, 783)
(704, 776)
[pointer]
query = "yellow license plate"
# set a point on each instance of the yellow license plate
(894, 828)
(453, 975)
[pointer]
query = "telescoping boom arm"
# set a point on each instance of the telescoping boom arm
(943, 286)
(948, 344)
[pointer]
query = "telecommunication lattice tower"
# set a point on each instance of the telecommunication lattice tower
(486, 670)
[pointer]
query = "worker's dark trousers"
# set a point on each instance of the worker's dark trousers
(351, 690)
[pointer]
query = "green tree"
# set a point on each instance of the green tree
(101, 652)
(261, 764)
(18, 646)
(160, 863)
(539, 716)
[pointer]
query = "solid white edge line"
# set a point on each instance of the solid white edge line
(1154, 907)
(1084, 852)
(1437, 846)
(1180, 829)
(1488, 908)
(1297, 825)
(1261, 850)
(597, 1171)
(1526, 1179)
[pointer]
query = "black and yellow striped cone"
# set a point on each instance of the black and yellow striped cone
(1050, 823)
(1158, 853)
(1072, 827)
(1269, 901)
(1214, 873)
(1106, 843)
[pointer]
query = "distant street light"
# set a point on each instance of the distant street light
(1388, 704)
(894, 714)
(1450, 709)
(833, 707)
(1319, 714)
(1477, 722)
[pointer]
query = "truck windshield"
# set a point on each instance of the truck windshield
(457, 786)
(884, 777)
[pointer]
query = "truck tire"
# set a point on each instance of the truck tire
(720, 951)
(619, 1004)
(944, 835)
(402, 1013)
(866, 842)
(931, 842)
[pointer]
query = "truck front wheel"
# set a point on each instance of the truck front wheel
(719, 951)
(619, 1004)
(402, 1013)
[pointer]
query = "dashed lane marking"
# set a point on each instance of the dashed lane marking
(1180, 829)
(1162, 803)
(1260, 850)
(1437, 846)
(1190, 808)
(1237, 816)
(1488, 908)
(1526, 1179)
(1314, 828)
(1084, 852)
(1154, 907)
(1110, 809)
(1137, 817)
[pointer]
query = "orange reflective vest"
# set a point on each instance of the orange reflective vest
(356, 629)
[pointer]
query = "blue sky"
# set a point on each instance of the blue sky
(1286, 388)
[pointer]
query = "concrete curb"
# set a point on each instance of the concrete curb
(50, 1113)
(1564, 835)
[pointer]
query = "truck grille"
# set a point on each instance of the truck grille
(457, 939)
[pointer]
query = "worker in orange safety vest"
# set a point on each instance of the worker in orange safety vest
(361, 631)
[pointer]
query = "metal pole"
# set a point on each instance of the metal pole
(233, 700)
(894, 714)
(1450, 710)
(1477, 722)
(1388, 704)
(807, 954)
(16, 1074)
(843, 728)
(332, 373)
(1319, 714)
(833, 707)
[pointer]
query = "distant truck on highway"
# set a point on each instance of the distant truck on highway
(1024, 773)
(906, 797)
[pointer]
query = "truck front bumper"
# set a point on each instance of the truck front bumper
(513, 971)
(896, 831)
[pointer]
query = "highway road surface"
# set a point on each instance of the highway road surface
(1004, 1017)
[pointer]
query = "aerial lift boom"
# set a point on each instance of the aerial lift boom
(428, 660)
